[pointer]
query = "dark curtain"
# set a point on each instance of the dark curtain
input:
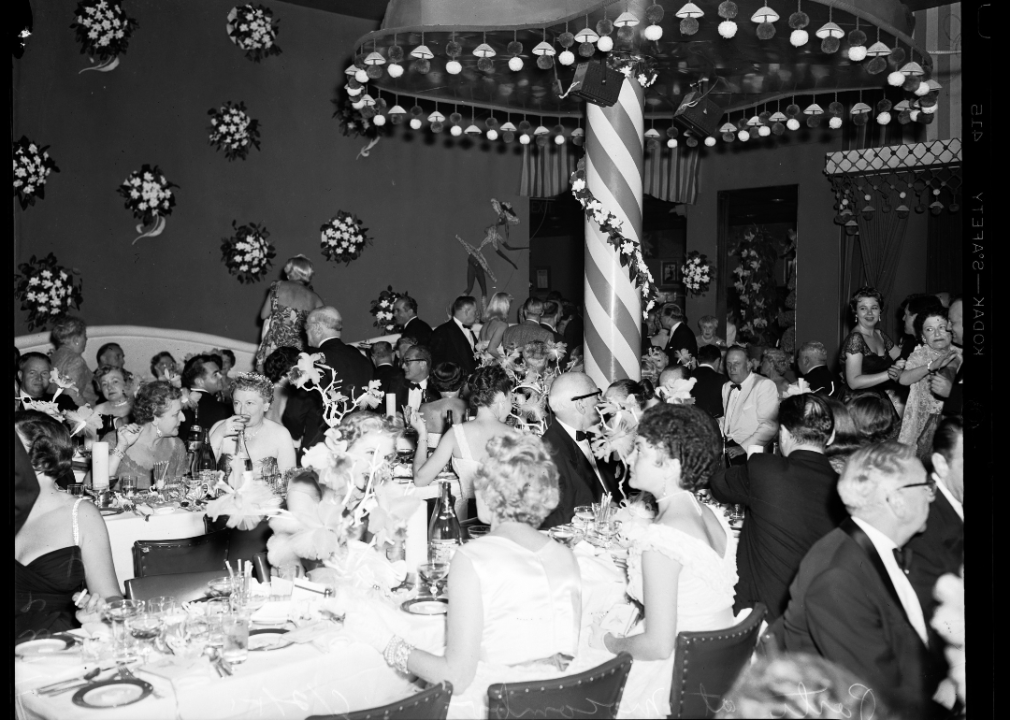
(944, 251)
(881, 235)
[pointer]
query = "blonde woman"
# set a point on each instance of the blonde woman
(496, 322)
(288, 304)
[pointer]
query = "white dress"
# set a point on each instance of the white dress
(465, 468)
(532, 604)
(705, 594)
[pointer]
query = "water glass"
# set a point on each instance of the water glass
(235, 628)
(161, 605)
(128, 485)
(117, 613)
(145, 628)
(214, 614)
(584, 517)
(188, 639)
(76, 489)
(432, 579)
(159, 473)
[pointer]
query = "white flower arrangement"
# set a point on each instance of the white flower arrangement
(102, 28)
(32, 166)
(343, 237)
(696, 273)
(46, 290)
(148, 194)
(248, 254)
(253, 29)
(382, 310)
(232, 130)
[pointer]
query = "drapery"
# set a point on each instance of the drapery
(881, 235)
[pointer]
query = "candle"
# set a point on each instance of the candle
(390, 404)
(100, 465)
(416, 543)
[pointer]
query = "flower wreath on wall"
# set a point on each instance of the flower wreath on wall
(629, 251)
(150, 198)
(754, 283)
(46, 289)
(253, 29)
(32, 166)
(343, 237)
(103, 30)
(382, 310)
(247, 254)
(232, 130)
(696, 272)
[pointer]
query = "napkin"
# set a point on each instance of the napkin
(585, 548)
(272, 612)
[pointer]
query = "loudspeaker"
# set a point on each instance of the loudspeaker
(596, 83)
(699, 114)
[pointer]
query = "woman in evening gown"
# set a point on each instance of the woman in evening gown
(868, 357)
(287, 306)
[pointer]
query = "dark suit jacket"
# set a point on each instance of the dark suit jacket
(576, 479)
(558, 337)
(209, 410)
(26, 485)
(353, 370)
(681, 339)
(954, 404)
(401, 388)
(707, 392)
(387, 375)
(822, 382)
(843, 609)
(791, 504)
(574, 331)
(449, 344)
(419, 330)
(937, 550)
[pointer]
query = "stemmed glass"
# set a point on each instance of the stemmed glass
(128, 485)
(117, 613)
(433, 575)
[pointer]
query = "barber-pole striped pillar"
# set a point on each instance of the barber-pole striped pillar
(613, 305)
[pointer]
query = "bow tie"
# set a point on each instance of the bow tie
(903, 558)
(734, 386)
(413, 386)
(581, 435)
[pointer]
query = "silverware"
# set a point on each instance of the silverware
(63, 686)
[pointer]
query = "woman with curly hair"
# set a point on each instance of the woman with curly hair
(516, 594)
(682, 566)
(265, 438)
(935, 355)
(114, 384)
(152, 437)
(869, 358)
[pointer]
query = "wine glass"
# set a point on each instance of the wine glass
(128, 485)
(117, 613)
(145, 627)
(433, 575)
(584, 516)
(158, 475)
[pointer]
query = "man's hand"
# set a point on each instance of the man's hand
(735, 451)
(940, 385)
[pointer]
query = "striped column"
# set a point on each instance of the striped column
(613, 305)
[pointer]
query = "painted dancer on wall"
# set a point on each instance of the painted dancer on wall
(477, 266)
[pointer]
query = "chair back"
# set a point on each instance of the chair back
(432, 703)
(595, 692)
(184, 587)
(164, 557)
(706, 664)
(247, 544)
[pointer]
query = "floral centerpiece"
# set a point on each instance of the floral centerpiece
(232, 130)
(343, 237)
(253, 29)
(247, 253)
(150, 198)
(653, 363)
(83, 419)
(754, 283)
(678, 392)
(532, 370)
(46, 289)
(32, 167)
(382, 310)
(696, 272)
(103, 30)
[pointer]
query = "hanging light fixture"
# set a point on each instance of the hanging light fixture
(798, 21)
(830, 35)
(857, 44)
(604, 27)
(728, 10)
(689, 15)
(653, 15)
(765, 17)
(586, 39)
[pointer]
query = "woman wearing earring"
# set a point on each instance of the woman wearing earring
(265, 438)
(681, 567)
(868, 355)
(152, 437)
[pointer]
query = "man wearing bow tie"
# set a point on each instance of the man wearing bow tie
(751, 405)
(453, 341)
(413, 387)
(582, 479)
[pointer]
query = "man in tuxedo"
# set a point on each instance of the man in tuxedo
(681, 338)
(750, 403)
(530, 329)
(549, 320)
(402, 343)
(34, 370)
(405, 314)
(851, 601)
(812, 361)
(581, 479)
(574, 328)
(385, 372)
(453, 341)
(202, 375)
(790, 503)
(950, 390)
(413, 386)
(707, 391)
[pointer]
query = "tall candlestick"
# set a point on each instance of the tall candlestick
(100, 465)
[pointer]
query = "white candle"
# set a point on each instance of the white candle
(390, 404)
(416, 544)
(100, 465)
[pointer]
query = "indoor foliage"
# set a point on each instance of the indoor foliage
(46, 289)
(343, 237)
(232, 130)
(32, 166)
(247, 254)
(253, 29)
(382, 310)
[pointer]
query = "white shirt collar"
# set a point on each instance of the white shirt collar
(460, 325)
(568, 428)
(547, 324)
(674, 326)
(954, 502)
(409, 321)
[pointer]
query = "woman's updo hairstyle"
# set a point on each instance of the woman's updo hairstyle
(447, 377)
(874, 417)
(687, 434)
(299, 269)
(108, 370)
(49, 446)
(518, 482)
(278, 363)
(486, 383)
(356, 425)
(643, 390)
(254, 382)
(934, 311)
(867, 291)
(153, 399)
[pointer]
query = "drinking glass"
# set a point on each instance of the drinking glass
(117, 613)
(433, 575)
(159, 473)
(145, 627)
(161, 605)
(268, 469)
(214, 613)
(188, 639)
(235, 628)
(128, 485)
(737, 514)
(584, 516)
(76, 489)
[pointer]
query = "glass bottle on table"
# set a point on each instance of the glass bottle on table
(194, 440)
(444, 535)
(205, 469)
(241, 463)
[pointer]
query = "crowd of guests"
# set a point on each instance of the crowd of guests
(841, 478)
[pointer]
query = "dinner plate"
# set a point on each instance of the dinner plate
(44, 646)
(268, 639)
(112, 693)
(426, 606)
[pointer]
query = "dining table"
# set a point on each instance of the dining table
(168, 522)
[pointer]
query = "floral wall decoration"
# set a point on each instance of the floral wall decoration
(46, 289)
(253, 29)
(247, 254)
(755, 289)
(32, 166)
(103, 30)
(150, 198)
(382, 310)
(696, 273)
(343, 238)
(232, 130)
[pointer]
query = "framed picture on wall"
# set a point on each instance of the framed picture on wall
(543, 278)
(668, 273)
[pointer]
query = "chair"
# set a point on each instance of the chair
(432, 703)
(706, 664)
(164, 557)
(261, 567)
(243, 544)
(596, 692)
(182, 586)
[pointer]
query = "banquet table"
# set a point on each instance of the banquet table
(128, 527)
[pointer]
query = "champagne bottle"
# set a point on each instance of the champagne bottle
(194, 442)
(444, 536)
(206, 463)
(242, 464)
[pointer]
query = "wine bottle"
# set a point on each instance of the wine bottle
(206, 464)
(242, 464)
(193, 443)
(444, 536)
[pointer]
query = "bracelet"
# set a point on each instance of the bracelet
(396, 654)
(119, 453)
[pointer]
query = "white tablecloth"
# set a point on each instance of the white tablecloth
(126, 528)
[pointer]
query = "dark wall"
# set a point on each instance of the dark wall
(414, 192)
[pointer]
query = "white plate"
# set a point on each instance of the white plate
(112, 693)
(426, 606)
(45, 646)
(268, 639)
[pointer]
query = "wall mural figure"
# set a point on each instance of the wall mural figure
(477, 266)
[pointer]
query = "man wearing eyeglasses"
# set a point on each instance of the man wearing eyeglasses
(852, 602)
(582, 480)
(413, 388)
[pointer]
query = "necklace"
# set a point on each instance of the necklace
(250, 435)
(120, 404)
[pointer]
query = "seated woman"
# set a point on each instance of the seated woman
(846, 438)
(772, 363)
(490, 390)
(70, 337)
(516, 594)
(936, 354)
(496, 322)
(63, 546)
(447, 379)
(682, 567)
(708, 324)
(152, 437)
(164, 367)
(264, 438)
(114, 382)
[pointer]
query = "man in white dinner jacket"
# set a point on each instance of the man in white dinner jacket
(750, 407)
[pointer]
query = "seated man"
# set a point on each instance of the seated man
(33, 380)
(707, 390)
(413, 387)
(812, 360)
(402, 343)
(750, 404)
(202, 375)
(385, 372)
